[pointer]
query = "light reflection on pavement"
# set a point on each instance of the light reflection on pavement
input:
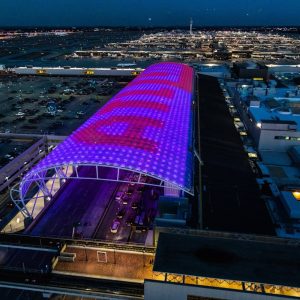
(91, 207)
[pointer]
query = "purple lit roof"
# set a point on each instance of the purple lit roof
(145, 128)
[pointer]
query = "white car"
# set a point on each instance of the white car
(119, 196)
(115, 226)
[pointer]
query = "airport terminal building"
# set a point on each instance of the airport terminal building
(143, 137)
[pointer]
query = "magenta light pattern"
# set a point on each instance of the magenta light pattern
(146, 128)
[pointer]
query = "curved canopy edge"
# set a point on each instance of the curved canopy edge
(145, 128)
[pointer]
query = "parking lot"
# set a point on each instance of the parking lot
(51, 105)
(11, 148)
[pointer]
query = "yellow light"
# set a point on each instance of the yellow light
(135, 73)
(89, 72)
(252, 155)
(296, 195)
(41, 71)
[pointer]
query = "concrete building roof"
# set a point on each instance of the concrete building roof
(272, 261)
(291, 204)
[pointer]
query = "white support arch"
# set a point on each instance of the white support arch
(122, 175)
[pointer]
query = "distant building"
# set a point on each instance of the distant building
(271, 118)
(215, 70)
(250, 70)
(271, 115)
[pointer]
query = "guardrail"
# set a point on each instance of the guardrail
(59, 243)
(30, 242)
(228, 235)
(71, 285)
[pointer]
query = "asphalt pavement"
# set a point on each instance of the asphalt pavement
(81, 203)
(85, 208)
(127, 232)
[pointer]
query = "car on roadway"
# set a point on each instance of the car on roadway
(135, 204)
(125, 199)
(130, 189)
(142, 219)
(119, 195)
(252, 154)
(140, 228)
(121, 213)
(10, 204)
(140, 188)
(130, 219)
(115, 226)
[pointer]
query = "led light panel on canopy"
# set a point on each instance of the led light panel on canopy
(145, 128)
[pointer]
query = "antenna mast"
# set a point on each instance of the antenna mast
(191, 26)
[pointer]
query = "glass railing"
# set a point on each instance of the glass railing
(227, 284)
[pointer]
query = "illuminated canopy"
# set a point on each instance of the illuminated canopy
(146, 128)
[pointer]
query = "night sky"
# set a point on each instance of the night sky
(148, 12)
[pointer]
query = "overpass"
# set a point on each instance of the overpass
(11, 171)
